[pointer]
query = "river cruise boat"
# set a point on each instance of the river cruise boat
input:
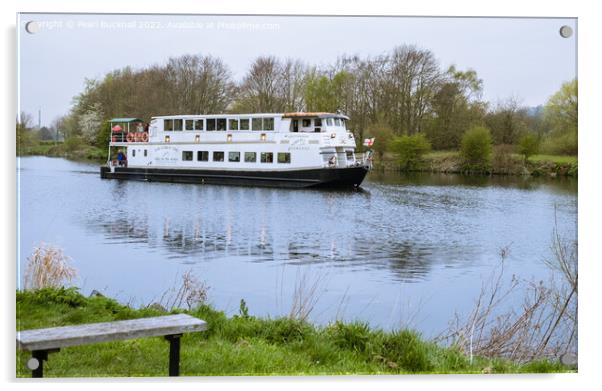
(282, 150)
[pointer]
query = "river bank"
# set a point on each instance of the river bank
(242, 345)
(449, 162)
(72, 151)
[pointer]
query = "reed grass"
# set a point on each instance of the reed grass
(48, 267)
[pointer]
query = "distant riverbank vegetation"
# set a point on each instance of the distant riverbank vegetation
(393, 97)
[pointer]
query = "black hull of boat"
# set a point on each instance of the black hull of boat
(350, 177)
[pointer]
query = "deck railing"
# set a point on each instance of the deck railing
(129, 137)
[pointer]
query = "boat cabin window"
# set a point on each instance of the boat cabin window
(202, 156)
(168, 124)
(268, 124)
(218, 156)
(233, 125)
(329, 121)
(349, 155)
(306, 123)
(234, 156)
(189, 124)
(337, 122)
(221, 124)
(317, 125)
(250, 157)
(267, 157)
(177, 124)
(284, 157)
(295, 125)
(257, 124)
(133, 152)
(145, 153)
(244, 124)
(187, 155)
(211, 123)
(198, 124)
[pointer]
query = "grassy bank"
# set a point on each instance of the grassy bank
(76, 151)
(241, 345)
(450, 162)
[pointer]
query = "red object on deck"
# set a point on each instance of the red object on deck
(116, 128)
(114, 138)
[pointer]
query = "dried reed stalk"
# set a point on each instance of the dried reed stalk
(48, 267)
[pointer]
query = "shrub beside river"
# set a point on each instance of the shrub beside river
(241, 345)
(502, 163)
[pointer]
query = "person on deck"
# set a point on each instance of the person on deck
(121, 159)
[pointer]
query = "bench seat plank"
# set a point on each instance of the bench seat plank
(59, 337)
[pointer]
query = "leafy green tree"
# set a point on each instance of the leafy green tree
(320, 94)
(560, 113)
(383, 136)
(476, 149)
(25, 134)
(456, 107)
(528, 145)
(410, 150)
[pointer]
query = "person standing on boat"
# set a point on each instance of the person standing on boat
(121, 159)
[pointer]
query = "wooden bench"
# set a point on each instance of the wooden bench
(40, 342)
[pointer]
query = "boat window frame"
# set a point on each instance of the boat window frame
(186, 122)
(211, 123)
(258, 120)
(231, 121)
(199, 155)
(179, 121)
(247, 159)
(246, 121)
(218, 152)
(263, 157)
(168, 128)
(270, 121)
(285, 154)
(199, 121)
(186, 154)
(233, 153)
(221, 122)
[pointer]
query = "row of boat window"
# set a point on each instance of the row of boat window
(249, 157)
(219, 124)
(306, 123)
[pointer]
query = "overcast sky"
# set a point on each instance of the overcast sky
(524, 58)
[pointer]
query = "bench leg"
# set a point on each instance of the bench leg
(174, 354)
(40, 356)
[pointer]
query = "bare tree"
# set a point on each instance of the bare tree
(199, 84)
(261, 89)
(412, 77)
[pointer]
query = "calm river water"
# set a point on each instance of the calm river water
(406, 250)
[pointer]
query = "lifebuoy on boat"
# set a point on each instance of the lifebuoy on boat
(130, 138)
(144, 137)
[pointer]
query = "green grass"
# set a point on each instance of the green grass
(241, 345)
(558, 159)
(442, 154)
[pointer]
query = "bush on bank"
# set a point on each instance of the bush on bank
(240, 345)
(476, 149)
(410, 150)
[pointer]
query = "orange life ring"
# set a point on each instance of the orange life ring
(144, 137)
(130, 138)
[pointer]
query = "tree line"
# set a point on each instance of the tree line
(402, 92)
